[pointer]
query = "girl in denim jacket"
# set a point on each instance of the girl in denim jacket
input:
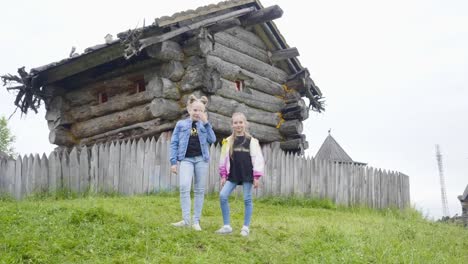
(241, 163)
(190, 147)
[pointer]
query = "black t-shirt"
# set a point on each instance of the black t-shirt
(193, 148)
(241, 169)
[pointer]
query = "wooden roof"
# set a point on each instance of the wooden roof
(331, 150)
(464, 196)
(104, 53)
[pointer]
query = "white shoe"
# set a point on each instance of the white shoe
(224, 230)
(180, 224)
(245, 231)
(196, 227)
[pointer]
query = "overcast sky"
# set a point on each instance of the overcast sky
(394, 74)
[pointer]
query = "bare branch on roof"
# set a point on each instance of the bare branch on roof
(30, 93)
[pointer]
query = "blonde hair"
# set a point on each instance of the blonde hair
(192, 99)
(233, 135)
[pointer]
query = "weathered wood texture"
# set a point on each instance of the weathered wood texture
(247, 36)
(118, 81)
(262, 15)
(166, 51)
(200, 76)
(248, 63)
(233, 72)
(56, 112)
(155, 87)
(85, 62)
(160, 38)
(264, 31)
(88, 95)
(159, 107)
(139, 130)
(224, 25)
(112, 121)
(235, 51)
(284, 54)
(227, 107)
(62, 137)
(291, 127)
(253, 99)
(240, 45)
(293, 144)
(296, 110)
(140, 167)
(222, 124)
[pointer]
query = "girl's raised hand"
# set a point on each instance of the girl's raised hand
(204, 117)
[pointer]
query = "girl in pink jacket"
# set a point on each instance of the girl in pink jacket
(241, 163)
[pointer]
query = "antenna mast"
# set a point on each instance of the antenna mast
(442, 182)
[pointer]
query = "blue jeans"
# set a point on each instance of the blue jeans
(189, 167)
(224, 201)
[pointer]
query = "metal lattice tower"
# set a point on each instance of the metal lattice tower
(443, 193)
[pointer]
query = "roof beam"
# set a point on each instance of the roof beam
(156, 39)
(262, 16)
(284, 54)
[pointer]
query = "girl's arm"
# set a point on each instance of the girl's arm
(223, 160)
(174, 145)
(258, 162)
(211, 137)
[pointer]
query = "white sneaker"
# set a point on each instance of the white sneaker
(244, 231)
(196, 227)
(224, 230)
(180, 224)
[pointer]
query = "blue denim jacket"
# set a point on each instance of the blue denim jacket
(181, 135)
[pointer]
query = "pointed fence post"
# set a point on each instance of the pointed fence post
(74, 171)
(140, 159)
(44, 174)
(157, 166)
(64, 161)
(52, 173)
(94, 169)
(18, 180)
(148, 158)
(83, 177)
(9, 177)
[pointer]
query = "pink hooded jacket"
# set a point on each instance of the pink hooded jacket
(258, 162)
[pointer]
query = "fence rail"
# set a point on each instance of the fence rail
(136, 167)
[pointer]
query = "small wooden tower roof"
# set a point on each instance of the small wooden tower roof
(464, 196)
(331, 150)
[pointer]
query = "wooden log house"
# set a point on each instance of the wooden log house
(137, 85)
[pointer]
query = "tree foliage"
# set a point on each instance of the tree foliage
(6, 137)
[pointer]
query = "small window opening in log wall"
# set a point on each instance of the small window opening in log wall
(102, 97)
(239, 85)
(140, 86)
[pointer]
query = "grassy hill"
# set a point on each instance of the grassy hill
(136, 230)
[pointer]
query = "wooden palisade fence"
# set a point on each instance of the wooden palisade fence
(138, 167)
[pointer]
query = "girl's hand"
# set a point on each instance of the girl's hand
(174, 169)
(223, 181)
(204, 117)
(255, 184)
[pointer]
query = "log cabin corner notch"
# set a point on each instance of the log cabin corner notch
(136, 86)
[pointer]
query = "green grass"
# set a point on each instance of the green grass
(114, 229)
